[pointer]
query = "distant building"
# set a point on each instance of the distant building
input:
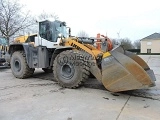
(151, 43)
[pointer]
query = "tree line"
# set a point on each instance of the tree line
(125, 42)
(13, 20)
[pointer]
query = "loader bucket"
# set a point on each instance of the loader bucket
(123, 70)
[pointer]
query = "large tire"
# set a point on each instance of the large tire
(70, 69)
(19, 66)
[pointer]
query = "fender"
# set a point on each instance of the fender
(58, 50)
(20, 47)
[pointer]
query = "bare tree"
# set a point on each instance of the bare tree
(45, 15)
(82, 34)
(126, 43)
(114, 41)
(12, 19)
(137, 44)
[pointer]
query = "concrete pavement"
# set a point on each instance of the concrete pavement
(39, 99)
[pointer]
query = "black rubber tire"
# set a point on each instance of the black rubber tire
(77, 69)
(19, 66)
(47, 70)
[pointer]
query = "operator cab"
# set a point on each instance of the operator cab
(51, 31)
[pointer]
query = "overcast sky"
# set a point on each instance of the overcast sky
(132, 19)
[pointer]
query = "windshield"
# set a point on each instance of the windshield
(63, 30)
(3, 41)
(51, 30)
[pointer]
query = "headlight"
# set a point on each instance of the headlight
(59, 35)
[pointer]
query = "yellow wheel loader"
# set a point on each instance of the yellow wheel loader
(72, 59)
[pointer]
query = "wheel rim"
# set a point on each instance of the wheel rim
(17, 65)
(67, 71)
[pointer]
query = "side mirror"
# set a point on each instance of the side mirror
(69, 31)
